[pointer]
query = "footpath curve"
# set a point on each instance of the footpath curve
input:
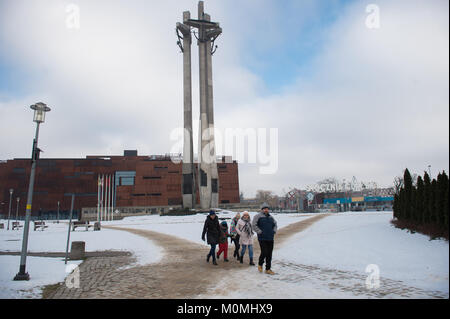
(182, 272)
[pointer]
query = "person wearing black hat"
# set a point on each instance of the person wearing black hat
(265, 227)
(212, 231)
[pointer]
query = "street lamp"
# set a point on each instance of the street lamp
(57, 214)
(39, 117)
(17, 209)
(9, 211)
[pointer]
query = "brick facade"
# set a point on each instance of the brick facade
(156, 182)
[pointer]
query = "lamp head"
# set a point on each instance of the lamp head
(39, 112)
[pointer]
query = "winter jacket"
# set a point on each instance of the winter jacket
(212, 230)
(223, 234)
(265, 226)
(233, 224)
(245, 231)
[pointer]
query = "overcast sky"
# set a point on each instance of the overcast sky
(348, 97)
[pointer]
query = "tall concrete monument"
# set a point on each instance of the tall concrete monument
(207, 177)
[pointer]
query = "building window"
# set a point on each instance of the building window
(125, 178)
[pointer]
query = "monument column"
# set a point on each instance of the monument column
(212, 143)
(204, 173)
(188, 184)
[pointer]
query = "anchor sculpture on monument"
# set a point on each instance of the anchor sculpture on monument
(207, 176)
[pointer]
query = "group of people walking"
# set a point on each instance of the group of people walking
(242, 231)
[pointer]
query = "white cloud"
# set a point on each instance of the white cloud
(375, 103)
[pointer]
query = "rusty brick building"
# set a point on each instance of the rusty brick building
(139, 181)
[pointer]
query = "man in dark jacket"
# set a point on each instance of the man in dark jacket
(265, 226)
(212, 231)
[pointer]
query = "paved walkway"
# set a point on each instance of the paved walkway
(184, 273)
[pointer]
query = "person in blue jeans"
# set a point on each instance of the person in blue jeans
(245, 231)
(211, 229)
(265, 227)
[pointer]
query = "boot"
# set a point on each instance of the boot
(226, 260)
(214, 262)
(251, 262)
(218, 256)
(260, 269)
(235, 253)
(241, 259)
(207, 258)
(270, 272)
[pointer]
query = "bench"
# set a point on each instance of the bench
(81, 224)
(40, 225)
(16, 225)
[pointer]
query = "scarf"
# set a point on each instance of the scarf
(247, 228)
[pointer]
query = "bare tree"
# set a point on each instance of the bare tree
(398, 184)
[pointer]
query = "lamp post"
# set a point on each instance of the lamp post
(57, 214)
(17, 209)
(10, 198)
(39, 117)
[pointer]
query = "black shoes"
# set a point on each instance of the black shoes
(251, 262)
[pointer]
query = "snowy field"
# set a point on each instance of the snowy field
(46, 270)
(327, 260)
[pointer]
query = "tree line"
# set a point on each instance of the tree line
(422, 204)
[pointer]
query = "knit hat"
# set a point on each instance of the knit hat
(224, 223)
(211, 212)
(264, 205)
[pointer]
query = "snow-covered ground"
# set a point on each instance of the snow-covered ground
(352, 241)
(48, 270)
(327, 260)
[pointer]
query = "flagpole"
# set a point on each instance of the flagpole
(103, 197)
(98, 198)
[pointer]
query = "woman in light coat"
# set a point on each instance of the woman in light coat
(245, 231)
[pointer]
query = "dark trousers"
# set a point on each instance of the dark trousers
(212, 251)
(266, 253)
(237, 246)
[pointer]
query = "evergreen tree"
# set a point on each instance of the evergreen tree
(419, 200)
(408, 193)
(434, 201)
(445, 203)
(396, 206)
(442, 185)
(427, 201)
